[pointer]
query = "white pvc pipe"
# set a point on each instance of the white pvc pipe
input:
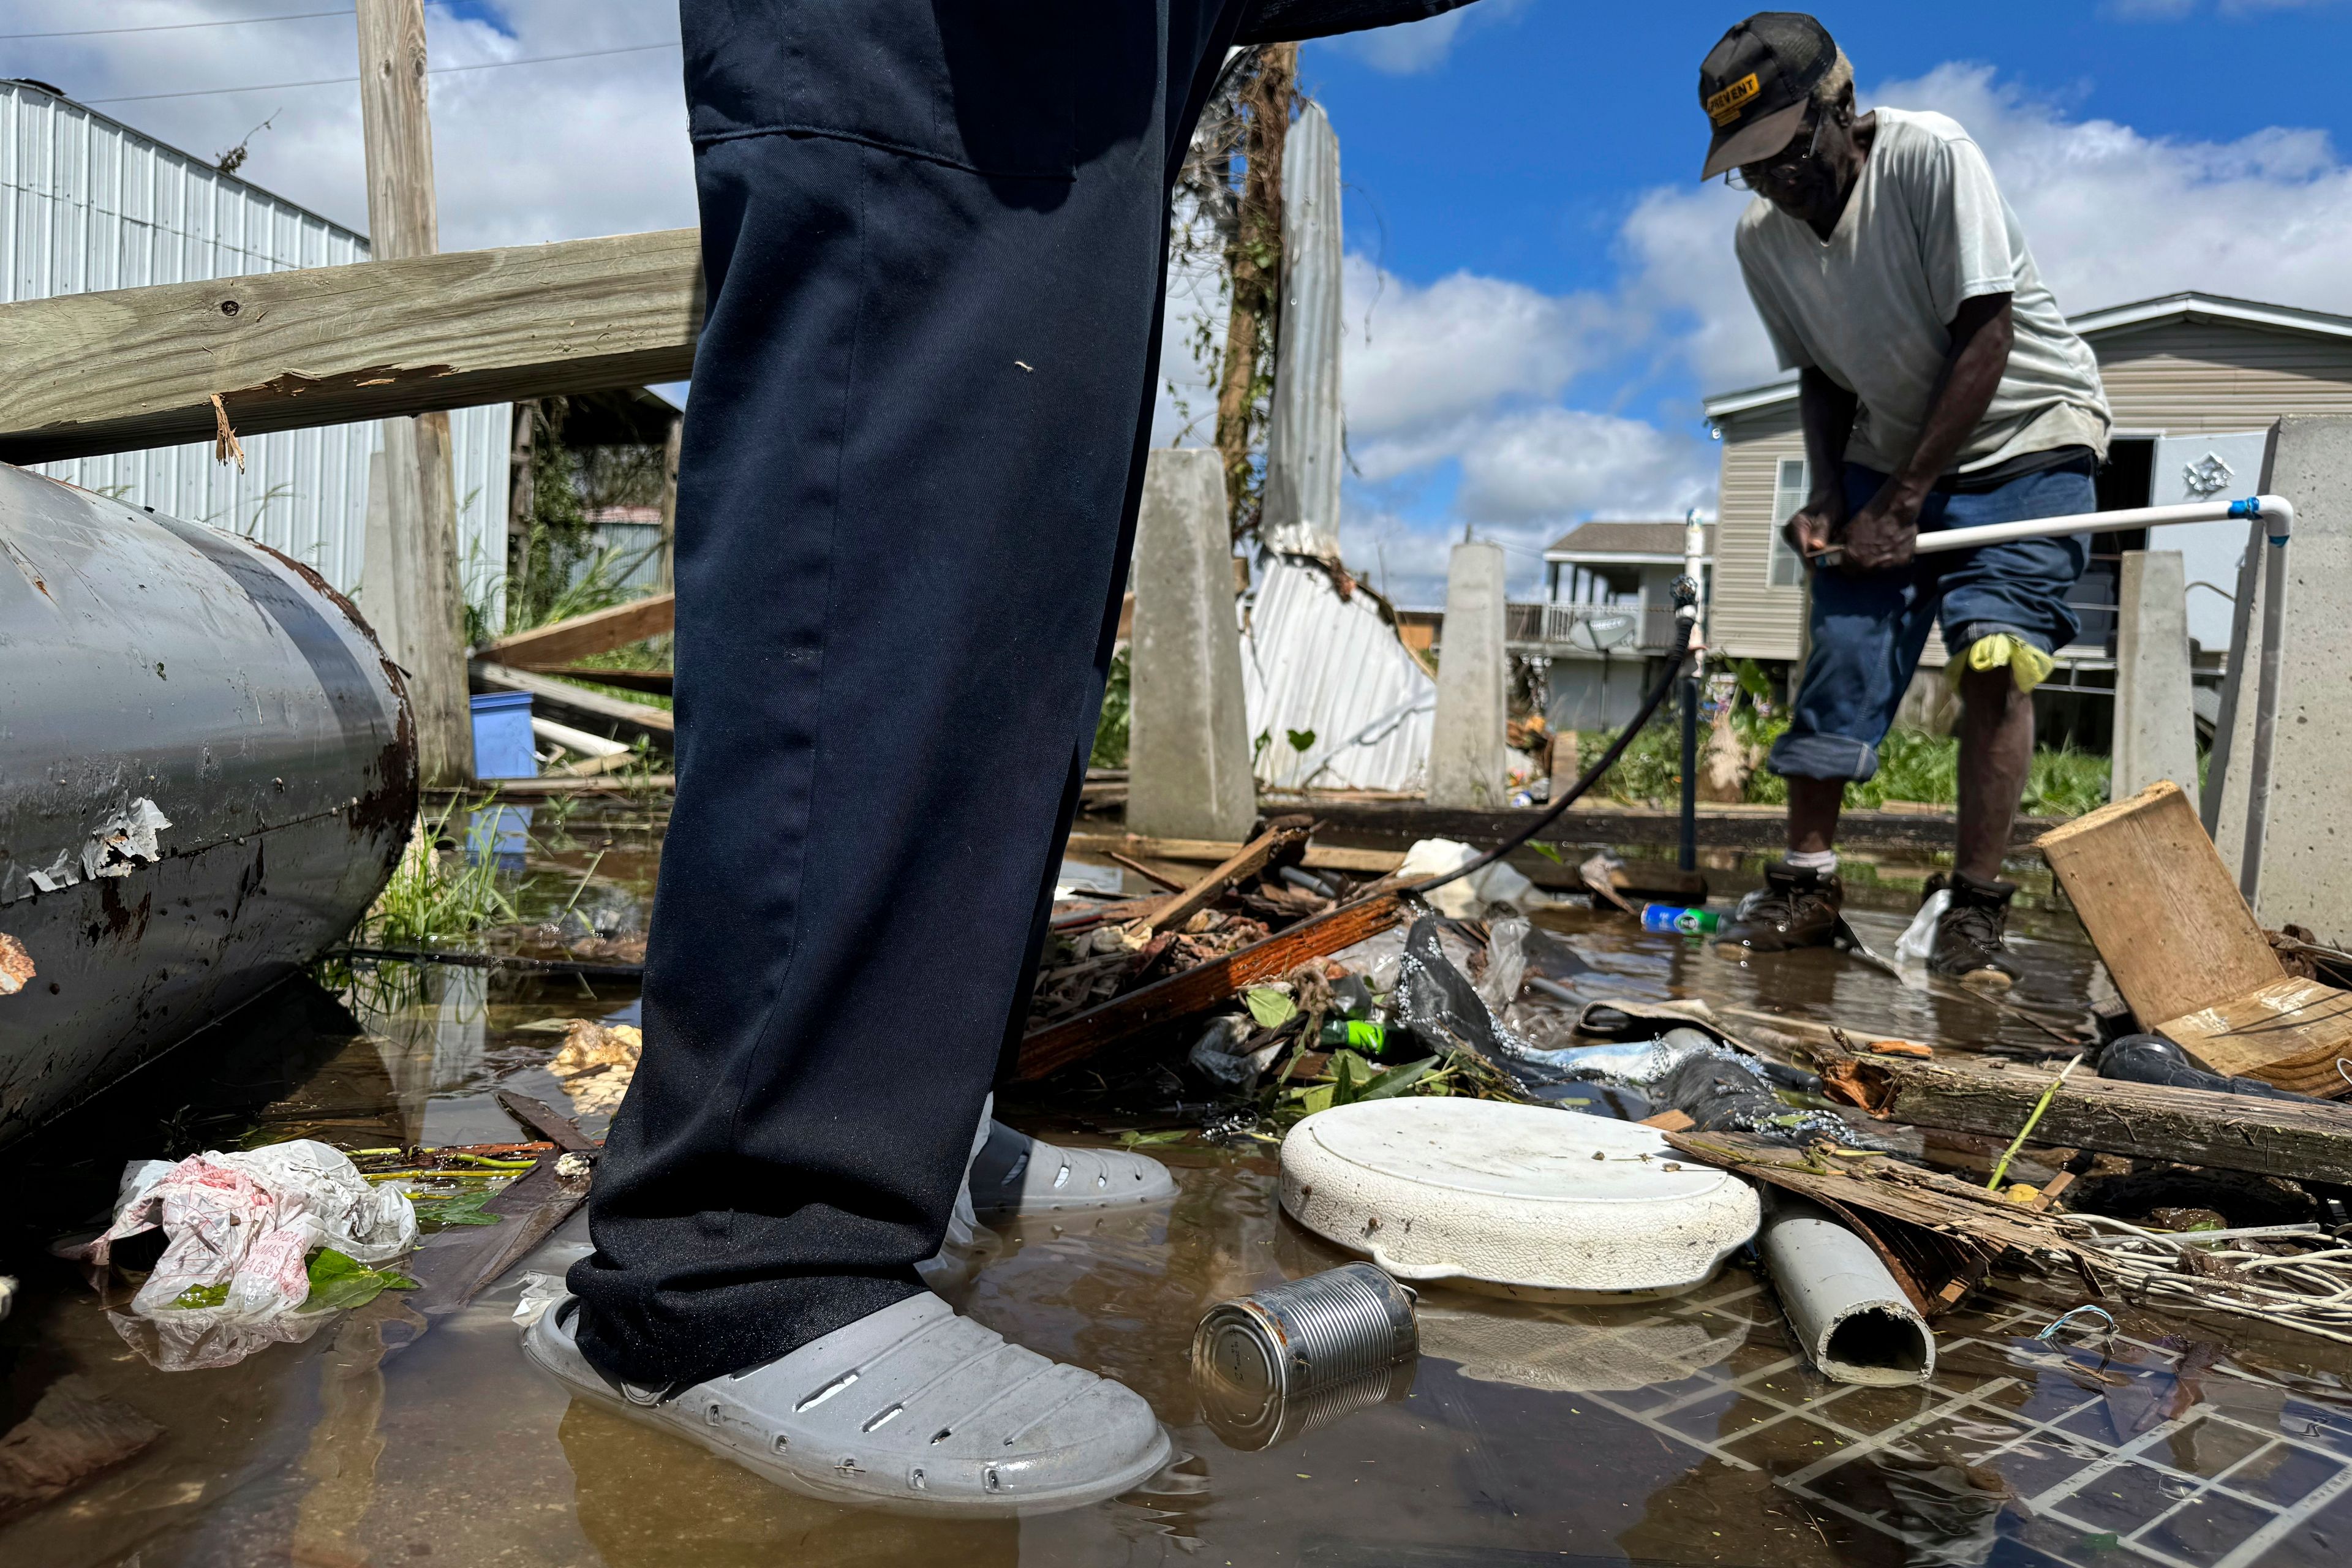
(1852, 1319)
(2277, 510)
(2276, 513)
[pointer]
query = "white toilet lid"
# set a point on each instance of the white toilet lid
(1521, 1196)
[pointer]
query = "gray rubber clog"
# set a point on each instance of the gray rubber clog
(1013, 1174)
(912, 1409)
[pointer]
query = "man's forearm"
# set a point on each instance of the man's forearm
(1825, 410)
(1981, 335)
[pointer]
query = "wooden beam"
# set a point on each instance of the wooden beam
(1209, 851)
(2147, 1121)
(582, 637)
(420, 496)
(590, 710)
(1249, 860)
(1606, 825)
(134, 368)
(1219, 980)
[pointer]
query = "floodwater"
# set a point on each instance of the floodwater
(1685, 1432)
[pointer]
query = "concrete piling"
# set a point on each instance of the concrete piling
(2307, 854)
(1465, 747)
(1188, 744)
(2156, 725)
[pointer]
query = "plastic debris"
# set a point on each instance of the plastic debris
(539, 1291)
(1917, 942)
(597, 1063)
(2152, 1058)
(1474, 894)
(239, 1229)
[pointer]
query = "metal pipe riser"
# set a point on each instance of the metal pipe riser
(207, 772)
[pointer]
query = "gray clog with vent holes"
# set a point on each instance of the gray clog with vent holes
(1015, 1175)
(912, 1409)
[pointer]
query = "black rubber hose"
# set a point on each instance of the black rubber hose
(1687, 619)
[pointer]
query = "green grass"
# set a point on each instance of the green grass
(1110, 728)
(435, 895)
(1913, 766)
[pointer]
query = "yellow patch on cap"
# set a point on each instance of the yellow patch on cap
(1724, 107)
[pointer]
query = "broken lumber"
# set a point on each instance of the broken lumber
(2185, 950)
(1209, 851)
(74, 1435)
(590, 710)
(2143, 1121)
(544, 648)
(1937, 1234)
(1057, 1046)
(128, 368)
(659, 682)
(453, 1266)
(1249, 860)
(547, 1122)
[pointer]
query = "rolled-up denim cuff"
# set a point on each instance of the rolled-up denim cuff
(1818, 756)
(1957, 645)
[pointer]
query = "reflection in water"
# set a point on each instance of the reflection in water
(648, 1500)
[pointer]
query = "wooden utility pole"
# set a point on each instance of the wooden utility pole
(669, 502)
(522, 500)
(421, 493)
(1255, 262)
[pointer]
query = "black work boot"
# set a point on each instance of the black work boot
(1796, 907)
(1970, 936)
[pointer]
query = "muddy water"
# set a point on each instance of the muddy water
(1682, 1432)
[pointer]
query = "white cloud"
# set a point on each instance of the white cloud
(1549, 465)
(1421, 354)
(1418, 47)
(521, 154)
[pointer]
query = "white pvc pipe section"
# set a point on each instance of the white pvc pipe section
(2276, 513)
(1852, 1319)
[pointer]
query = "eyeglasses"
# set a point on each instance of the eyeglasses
(1779, 166)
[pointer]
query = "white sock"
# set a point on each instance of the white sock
(1823, 861)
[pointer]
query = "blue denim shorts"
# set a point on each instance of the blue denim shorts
(1868, 629)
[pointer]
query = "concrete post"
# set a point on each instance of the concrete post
(1188, 741)
(1465, 743)
(2156, 723)
(2308, 856)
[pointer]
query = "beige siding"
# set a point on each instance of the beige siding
(2187, 376)
(1749, 617)
(2176, 378)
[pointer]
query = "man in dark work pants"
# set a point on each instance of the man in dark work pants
(934, 236)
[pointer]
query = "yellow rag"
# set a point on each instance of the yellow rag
(2028, 664)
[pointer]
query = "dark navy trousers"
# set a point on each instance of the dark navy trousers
(934, 235)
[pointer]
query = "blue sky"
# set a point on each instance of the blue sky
(1544, 151)
(1539, 292)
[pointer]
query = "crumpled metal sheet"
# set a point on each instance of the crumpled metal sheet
(1314, 662)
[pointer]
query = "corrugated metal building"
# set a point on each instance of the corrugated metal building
(2194, 382)
(88, 204)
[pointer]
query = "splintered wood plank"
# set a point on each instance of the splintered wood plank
(579, 705)
(2152, 1121)
(127, 369)
(2160, 906)
(582, 637)
(1197, 989)
(2290, 1033)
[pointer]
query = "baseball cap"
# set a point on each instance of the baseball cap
(1754, 85)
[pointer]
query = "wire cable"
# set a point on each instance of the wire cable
(176, 26)
(1686, 618)
(349, 80)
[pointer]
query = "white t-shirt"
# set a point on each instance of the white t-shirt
(1925, 229)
